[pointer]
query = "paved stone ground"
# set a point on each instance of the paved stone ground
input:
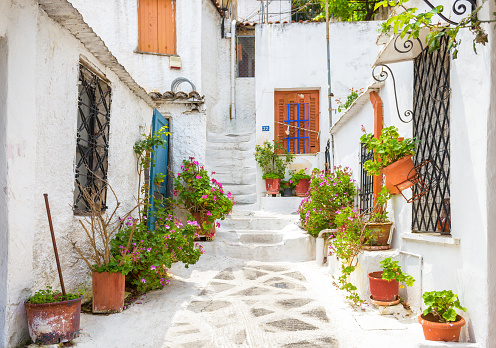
(255, 305)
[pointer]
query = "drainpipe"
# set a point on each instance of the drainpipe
(328, 65)
(233, 69)
(421, 263)
(320, 250)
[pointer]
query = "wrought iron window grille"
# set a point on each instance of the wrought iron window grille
(431, 211)
(246, 56)
(92, 141)
(366, 193)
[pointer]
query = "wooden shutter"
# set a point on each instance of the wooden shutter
(157, 26)
(283, 110)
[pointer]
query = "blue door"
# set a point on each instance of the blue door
(159, 157)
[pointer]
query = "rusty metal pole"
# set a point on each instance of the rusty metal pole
(54, 243)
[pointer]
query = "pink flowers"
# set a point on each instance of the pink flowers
(209, 213)
(143, 280)
(198, 177)
(152, 268)
(204, 196)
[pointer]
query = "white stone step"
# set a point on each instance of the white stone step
(281, 205)
(244, 146)
(245, 199)
(229, 138)
(240, 189)
(257, 222)
(236, 178)
(216, 163)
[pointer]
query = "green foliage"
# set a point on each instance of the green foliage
(379, 213)
(287, 184)
(144, 147)
(345, 10)
(272, 176)
(328, 192)
(51, 296)
(295, 177)
(197, 193)
(387, 149)
(349, 99)
(409, 23)
(346, 246)
(442, 305)
(152, 252)
(391, 270)
(271, 162)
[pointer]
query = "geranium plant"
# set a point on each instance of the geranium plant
(287, 184)
(154, 251)
(50, 296)
(328, 193)
(387, 149)
(379, 211)
(296, 176)
(392, 271)
(272, 163)
(442, 305)
(198, 193)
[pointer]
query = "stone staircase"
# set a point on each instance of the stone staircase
(262, 236)
(230, 156)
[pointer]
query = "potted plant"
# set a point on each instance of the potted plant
(287, 187)
(273, 159)
(108, 269)
(328, 193)
(384, 285)
(202, 196)
(439, 321)
(302, 181)
(392, 156)
(53, 317)
(378, 226)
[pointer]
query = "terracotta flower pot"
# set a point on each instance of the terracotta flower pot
(200, 218)
(436, 331)
(378, 233)
(52, 323)
(108, 292)
(302, 187)
(273, 186)
(397, 173)
(383, 290)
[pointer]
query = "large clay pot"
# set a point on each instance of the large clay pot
(399, 172)
(377, 233)
(436, 331)
(273, 186)
(108, 292)
(383, 290)
(302, 187)
(53, 323)
(200, 218)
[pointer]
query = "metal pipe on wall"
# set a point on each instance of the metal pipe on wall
(329, 94)
(421, 263)
(233, 70)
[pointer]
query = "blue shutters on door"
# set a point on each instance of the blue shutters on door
(159, 157)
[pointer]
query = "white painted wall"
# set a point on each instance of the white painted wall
(38, 124)
(462, 268)
(294, 57)
(250, 11)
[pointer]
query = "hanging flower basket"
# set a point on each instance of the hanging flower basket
(401, 173)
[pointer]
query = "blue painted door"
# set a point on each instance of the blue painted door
(159, 157)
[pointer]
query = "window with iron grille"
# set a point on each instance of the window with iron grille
(296, 121)
(92, 141)
(431, 125)
(366, 194)
(246, 56)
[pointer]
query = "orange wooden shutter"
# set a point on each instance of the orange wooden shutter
(314, 122)
(279, 101)
(157, 26)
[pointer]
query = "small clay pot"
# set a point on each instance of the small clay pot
(302, 187)
(273, 186)
(400, 173)
(108, 292)
(381, 289)
(288, 192)
(436, 331)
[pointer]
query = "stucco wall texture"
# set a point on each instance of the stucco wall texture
(463, 268)
(40, 124)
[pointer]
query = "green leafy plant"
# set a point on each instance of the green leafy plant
(287, 184)
(346, 11)
(442, 305)
(392, 271)
(272, 163)
(297, 176)
(387, 149)
(346, 246)
(153, 252)
(409, 22)
(50, 296)
(198, 193)
(349, 99)
(379, 213)
(328, 193)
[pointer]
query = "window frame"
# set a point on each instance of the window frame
(141, 34)
(238, 60)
